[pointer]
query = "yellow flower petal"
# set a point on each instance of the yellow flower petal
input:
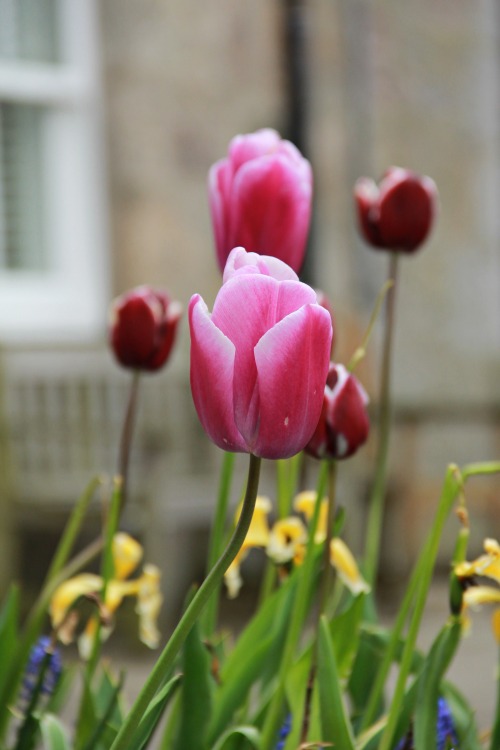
(149, 601)
(304, 503)
(127, 554)
(345, 564)
(495, 624)
(475, 596)
(287, 540)
(232, 577)
(69, 591)
(487, 565)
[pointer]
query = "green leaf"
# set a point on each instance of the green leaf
(436, 664)
(334, 718)
(108, 694)
(196, 697)
(259, 646)
(154, 713)
(53, 733)
(87, 715)
(9, 619)
(464, 718)
(105, 709)
(250, 734)
(344, 630)
(62, 690)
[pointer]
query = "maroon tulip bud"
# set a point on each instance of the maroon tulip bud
(397, 214)
(343, 425)
(143, 327)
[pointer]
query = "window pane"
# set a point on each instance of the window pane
(28, 30)
(22, 230)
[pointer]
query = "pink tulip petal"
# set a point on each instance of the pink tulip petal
(240, 262)
(292, 364)
(243, 148)
(270, 208)
(219, 182)
(212, 370)
(245, 309)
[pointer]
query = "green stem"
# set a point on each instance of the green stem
(376, 511)
(57, 572)
(324, 595)
(127, 433)
(72, 529)
(370, 712)
(283, 487)
(107, 569)
(169, 653)
(274, 713)
(327, 568)
(210, 615)
(452, 485)
(418, 571)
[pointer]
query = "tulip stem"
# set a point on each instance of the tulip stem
(127, 433)
(377, 501)
(324, 594)
(327, 570)
(274, 714)
(210, 614)
(167, 657)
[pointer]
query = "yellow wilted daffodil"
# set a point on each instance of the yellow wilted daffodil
(257, 536)
(341, 556)
(474, 595)
(346, 566)
(127, 554)
(304, 503)
(287, 541)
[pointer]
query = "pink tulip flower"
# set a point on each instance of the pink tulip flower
(260, 197)
(343, 426)
(259, 362)
(143, 328)
(398, 214)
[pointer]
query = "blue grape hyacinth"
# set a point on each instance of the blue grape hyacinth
(284, 732)
(42, 649)
(446, 735)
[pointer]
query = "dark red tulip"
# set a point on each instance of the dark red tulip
(143, 327)
(398, 213)
(343, 425)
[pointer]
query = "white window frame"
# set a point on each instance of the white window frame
(69, 300)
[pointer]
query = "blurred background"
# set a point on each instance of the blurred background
(111, 114)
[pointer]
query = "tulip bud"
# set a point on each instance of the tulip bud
(143, 327)
(343, 425)
(398, 213)
(260, 198)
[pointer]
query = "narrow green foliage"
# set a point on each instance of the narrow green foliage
(217, 536)
(9, 624)
(249, 734)
(54, 735)
(260, 645)
(429, 689)
(196, 696)
(335, 720)
(154, 713)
